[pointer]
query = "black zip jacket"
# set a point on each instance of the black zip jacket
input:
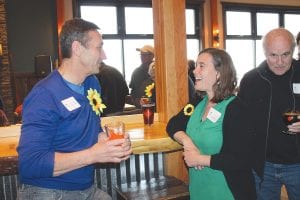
(258, 92)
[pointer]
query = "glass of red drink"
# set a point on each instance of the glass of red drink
(290, 117)
(148, 113)
(115, 130)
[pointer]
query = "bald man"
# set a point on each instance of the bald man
(269, 90)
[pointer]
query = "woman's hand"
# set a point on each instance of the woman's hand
(192, 154)
(193, 158)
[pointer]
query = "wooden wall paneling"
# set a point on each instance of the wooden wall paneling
(6, 78)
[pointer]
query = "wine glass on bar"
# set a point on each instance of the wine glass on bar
(289, 117)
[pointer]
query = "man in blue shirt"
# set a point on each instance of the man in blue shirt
(61, 135)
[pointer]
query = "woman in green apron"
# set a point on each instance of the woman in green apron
(214, 134)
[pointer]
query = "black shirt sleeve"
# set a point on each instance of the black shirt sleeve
(179, 121)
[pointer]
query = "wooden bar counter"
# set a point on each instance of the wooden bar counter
(145, 139)
(149, 144)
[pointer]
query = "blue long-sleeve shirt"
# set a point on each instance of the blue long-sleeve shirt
(57, 119)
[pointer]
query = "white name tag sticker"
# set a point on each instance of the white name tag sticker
(70, 103)
(213, 115)
(296, 88)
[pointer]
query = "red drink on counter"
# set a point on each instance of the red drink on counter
(148, 113)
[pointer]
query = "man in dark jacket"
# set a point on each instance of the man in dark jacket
(269, 90)
(114, 89)
(140, 74)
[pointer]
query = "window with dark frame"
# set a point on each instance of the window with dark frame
(127, 25)
(245, 25)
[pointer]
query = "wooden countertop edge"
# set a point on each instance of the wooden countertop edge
(8, 164)
(138, 147)
(155, 146)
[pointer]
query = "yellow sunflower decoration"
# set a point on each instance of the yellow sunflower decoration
(95, 101)
(149, 90)
(188, 109)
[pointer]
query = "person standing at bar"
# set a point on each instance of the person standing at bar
(215, 133)
(61, 135)
(270, 90)
(140, 74)
(114, 89)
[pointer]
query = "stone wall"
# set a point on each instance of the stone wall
(6, 74)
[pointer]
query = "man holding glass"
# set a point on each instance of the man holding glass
(270, 90)
(60, 138)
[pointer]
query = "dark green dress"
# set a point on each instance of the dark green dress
(208, 183)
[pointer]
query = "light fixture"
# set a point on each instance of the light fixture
(1, 53)
(216, 38)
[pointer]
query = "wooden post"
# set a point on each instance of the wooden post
(171, 69)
